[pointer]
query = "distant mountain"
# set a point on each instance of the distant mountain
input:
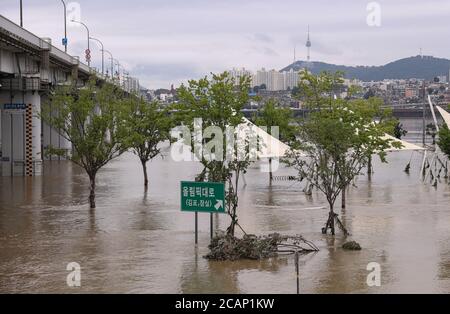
(421, 67)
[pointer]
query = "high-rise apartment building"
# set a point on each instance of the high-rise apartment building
(272, 79)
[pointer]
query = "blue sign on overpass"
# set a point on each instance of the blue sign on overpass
(15, 106)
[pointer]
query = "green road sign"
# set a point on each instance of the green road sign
(207, 197)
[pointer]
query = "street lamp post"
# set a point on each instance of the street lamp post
(21, 14)
(88, 57)
(112, 62)
(103, 54)
(65, 27)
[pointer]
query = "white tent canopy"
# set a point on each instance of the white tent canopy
(271, 147)
(406, 145)
(275, 148)
(445, 115)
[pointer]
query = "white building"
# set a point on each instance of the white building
(272, 80)
(291, 79)
(131, 84)
(261, 77)
(236, 74)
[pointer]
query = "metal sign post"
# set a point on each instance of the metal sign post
(297, 271)
(211, 225)
(204, 197)
(196, 228)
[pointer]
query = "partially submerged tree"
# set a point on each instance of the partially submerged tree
(444, 140)
(399, 131)
(373, 109)
(217, 102)
(336, 140)
(271, 115)
(144, 126)
(87, 117)
(431, 131)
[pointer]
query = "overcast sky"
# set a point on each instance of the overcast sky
(169, 41)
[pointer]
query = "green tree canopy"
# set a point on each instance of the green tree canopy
(218, 101)
(144, 126)
(87, 117)
(336, 140)
(444, 140)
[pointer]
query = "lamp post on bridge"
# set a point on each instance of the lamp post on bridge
(112, 61)
(21, 14)
(103, 53)
(88, 51)
(64, 41)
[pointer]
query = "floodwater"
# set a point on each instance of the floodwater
(140, 242)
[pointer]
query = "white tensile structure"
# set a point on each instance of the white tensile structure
(274, 148)
(270, 147)
(405, 145)
(436, 156)
(445, 115)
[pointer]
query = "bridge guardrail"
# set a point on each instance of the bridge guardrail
(38, 42)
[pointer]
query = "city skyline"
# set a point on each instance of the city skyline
(170, 42)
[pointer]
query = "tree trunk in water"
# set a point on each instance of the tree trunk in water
(144, 168)
(343, 197)
(232, 212)
(230, 230)
(330, 222)
(369, 166)
(270, 171)
(92, 190)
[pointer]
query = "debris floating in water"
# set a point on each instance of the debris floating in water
(226, 247)
(351, 246)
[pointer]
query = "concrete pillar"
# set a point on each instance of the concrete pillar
(21, 134)
(74, 69)
(45, 59)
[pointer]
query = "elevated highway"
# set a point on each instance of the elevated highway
(29, 67)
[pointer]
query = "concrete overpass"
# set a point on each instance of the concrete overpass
(29, 67)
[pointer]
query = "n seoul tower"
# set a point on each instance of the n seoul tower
(308, 47)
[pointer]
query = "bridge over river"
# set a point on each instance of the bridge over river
(29, 66)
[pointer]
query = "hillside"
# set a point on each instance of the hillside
(425, 67)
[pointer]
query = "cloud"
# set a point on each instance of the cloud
(263, 37)
(169, 41)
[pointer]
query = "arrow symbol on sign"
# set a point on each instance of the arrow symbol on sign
(219, 204)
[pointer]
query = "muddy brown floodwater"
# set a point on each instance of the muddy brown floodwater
(140, 242)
